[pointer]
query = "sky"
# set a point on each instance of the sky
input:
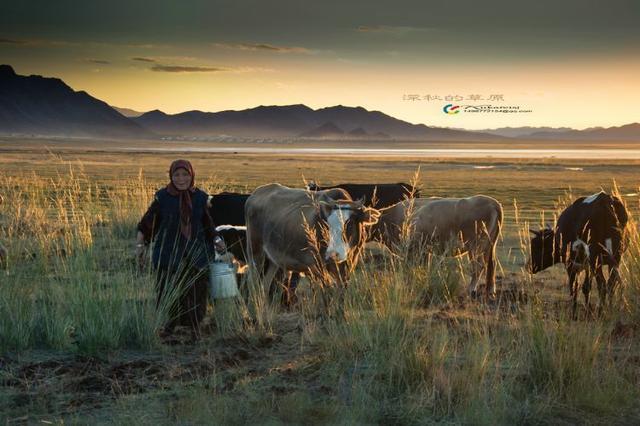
(561, 63)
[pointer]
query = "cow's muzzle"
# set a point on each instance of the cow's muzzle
(335, 256)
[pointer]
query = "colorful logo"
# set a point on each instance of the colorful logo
(451, 109)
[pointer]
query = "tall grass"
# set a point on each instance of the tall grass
(400, 344)
(408, 347)
(399, 358)
(71, 282)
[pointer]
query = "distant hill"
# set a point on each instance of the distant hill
(128, 112)
(261, 121)
(359, 132)
(517, 132)
(293, 121)
(381, 135)
(47, 106)
(630, 132)
(627, 132)
(327, 130)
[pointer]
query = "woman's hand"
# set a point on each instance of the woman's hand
(220, 246)
(141, 255)
(141, 251)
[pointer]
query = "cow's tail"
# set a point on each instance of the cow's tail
(495, 225)
(494, 230)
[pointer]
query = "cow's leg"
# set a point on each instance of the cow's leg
(602, 287)
(255, 258)
(343, 272)
(490, 264)
(292, 284)
(269, 275)
(573, 292)
(476, 271)
(279, 285)
(276, 282)
(586, 288)
(614, 280)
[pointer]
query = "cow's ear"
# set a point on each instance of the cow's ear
(371, 216)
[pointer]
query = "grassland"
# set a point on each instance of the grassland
(401, 345)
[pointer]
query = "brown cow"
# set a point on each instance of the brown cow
(282, 224)
(469, 225)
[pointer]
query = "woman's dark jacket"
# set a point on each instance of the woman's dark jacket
(161, 223)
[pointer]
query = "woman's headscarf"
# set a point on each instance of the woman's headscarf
(185, 195)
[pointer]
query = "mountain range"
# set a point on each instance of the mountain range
(297, 121)
(39, 105)
(521, 132)
(128, 112)
(47, 106)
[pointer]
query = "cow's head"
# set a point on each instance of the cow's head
(542, 250)
(346, 222)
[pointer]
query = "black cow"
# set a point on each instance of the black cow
(376, 195)
(589, 234)
(235, 238)
(227, 208)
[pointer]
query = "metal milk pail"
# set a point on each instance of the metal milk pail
(222, 280)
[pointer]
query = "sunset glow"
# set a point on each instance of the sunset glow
(573, 71)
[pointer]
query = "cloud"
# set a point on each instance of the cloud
(97, 61)
(10, 41)
(191, 69)
(263, 47)
(390, 29)
(45, 43)
(21, 42)
(140, 59)
(32, 43)
(251, 69)
(185, 69)
(142, 45)
(372, 28)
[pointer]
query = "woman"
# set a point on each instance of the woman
(185, 237)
